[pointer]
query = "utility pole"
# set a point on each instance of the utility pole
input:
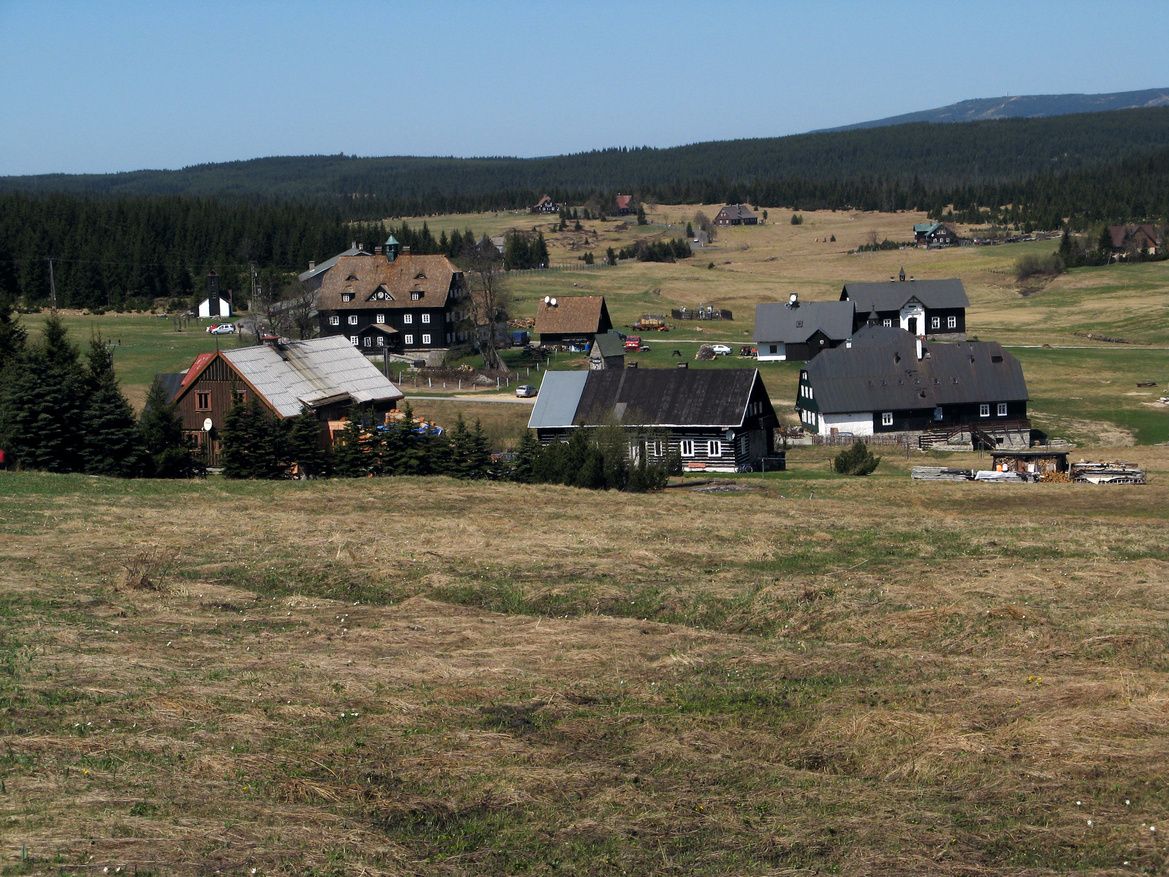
(52, 286)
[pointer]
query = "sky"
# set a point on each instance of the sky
(106, 86)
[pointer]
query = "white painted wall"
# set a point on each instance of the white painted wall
(765, 354)
(858, 423)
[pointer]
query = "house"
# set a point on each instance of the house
(1131, 240)
(546, 205)
(886, 382)
(315, 275)
(327, 375)
(736, 214)
(572, 322)
(935, 309)
(607, 351)
(795, 330)
(934, 235)
(624, 205)
(717, 420)
(215, 305)
(397, 303)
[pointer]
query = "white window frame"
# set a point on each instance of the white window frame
(686, 447)
(935, 322)
(1002, 409)
(353, 319)
(887, 323)
(984, 409)
(409, 340)
(381, 318)
(367, 341)
(381, 342)
(407, 319)
(951, 322)
(334, 320)
(426, 318)
(886, 418)
(425, 339)
(716, 448)
(354, 340)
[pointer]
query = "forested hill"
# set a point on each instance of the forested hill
(1026, 106)
(841, 168)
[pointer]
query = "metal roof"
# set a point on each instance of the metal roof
(556, 402)
(311, 373)
(667, 397)
(892, 295)
(881, 372)
(327, 264)
(793, 324)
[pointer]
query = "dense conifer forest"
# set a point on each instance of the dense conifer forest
(117, 238)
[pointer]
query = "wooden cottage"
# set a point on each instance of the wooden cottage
(795, 330)
(885, 382)
(935, 309)
(572, 322)
(718, 420)
(736, 214)
(934, 235)
(327, 375)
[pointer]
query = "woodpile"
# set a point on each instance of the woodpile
(940, 473)
(1112, 472)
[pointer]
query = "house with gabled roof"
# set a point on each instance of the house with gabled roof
(607, 351)
(395, 301)
(329, 376)
(546, 205)
(718, 420)
(573, 321)
(887, 382)
(1130, 240)
(934, 235)
(736, 214)
(935, 309)
(315, 275)
(796, 330)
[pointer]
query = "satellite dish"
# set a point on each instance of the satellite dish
(793, 298)
(547, 299)
(207, 424)
(553, 302)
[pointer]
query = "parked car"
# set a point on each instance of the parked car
(720, 350)
(221, 329)
(525, 391)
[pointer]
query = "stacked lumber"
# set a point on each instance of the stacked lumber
(940, 473)
(1111, 472)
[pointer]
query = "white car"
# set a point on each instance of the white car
(525, 391)
(221, 329)
(720, 350)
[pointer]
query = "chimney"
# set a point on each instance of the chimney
(405, 251)
(311, 264)
(902, 275)
(377, 251)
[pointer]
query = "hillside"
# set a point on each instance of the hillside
(1025, 107)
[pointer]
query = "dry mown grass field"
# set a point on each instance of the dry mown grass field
(809, 674)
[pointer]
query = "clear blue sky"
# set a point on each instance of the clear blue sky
(99, 87)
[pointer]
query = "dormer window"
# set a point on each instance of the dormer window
(352, 278)
(381, 294)
(420, 276)
(347, 296)
(416, 295)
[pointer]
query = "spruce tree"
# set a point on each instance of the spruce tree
(304, 443)
(170, 451)
(527, 455)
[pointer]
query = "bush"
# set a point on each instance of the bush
(797, 219)
(856, 460)
(1039, 266)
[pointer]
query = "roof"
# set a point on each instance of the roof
(925, 227)
(1122, 233)
(575, 314)
(646, 397)
(609, 344)
(556, 403)
(880, 371)
(736, 211)
(312, 373)
(623, 201)
(793, 324)
(363, 275)
(327, 264)
(892, 295)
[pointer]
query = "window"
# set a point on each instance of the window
(686, 446)
(334, 321)
(367, 341)
(425, 339)
(716, 449)
(415, 295)
(407, 319)
(886, 418)
(888, 324)
(951, 322)
(935, 322)
(984, 409)
(408, 340)
(347, 296)
(353, 339)
(938, 413)
(1002, 410)
(381, 318)
(775, 348)
(203, 401)
(353, 319)
(426, 318)
(381, 342)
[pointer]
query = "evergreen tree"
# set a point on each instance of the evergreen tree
(304, 445)
(527, 454)
(111, 437)
(171, 453)
(350, 450)
(13, 335)
(253, 441)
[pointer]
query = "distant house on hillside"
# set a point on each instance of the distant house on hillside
(572, 322)
(933, 308)
(546, 205)
(934, 235)
(327, 375)
(736, 214)
(884, 381)
(796, 330)
(624, 203)
(718, 420)
(1131, 240)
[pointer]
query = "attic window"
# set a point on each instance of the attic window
(347, 296)
(996, 358)
(381, 294)
(352, 278)
(421, 275)
(415, 295)
(799, 324)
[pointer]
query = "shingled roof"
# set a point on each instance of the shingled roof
(881, 371)
(793, 324)
(363, 275)
(575, 314)
(646, 397)
(892, 295)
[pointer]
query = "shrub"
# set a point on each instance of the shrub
(856, 460)
(1039, 266)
